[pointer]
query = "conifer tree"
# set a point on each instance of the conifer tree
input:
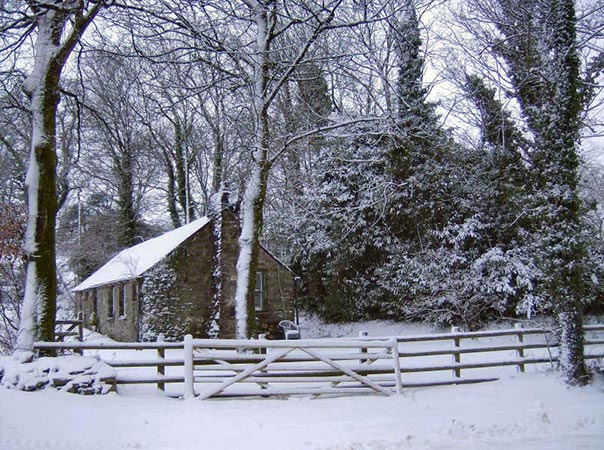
(418, 150)
(538, 42)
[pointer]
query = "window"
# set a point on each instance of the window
(95, 306)
(121, 301)
(111, 302)
(259, 292)
(117, 300)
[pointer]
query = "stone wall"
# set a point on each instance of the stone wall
(97, 304)
(176, 294)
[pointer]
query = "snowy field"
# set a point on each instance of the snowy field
(530, 411)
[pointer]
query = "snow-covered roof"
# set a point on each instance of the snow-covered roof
(134, 261)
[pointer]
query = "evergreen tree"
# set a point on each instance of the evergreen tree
(345, 239)
(471, 267)
(419, 149)
(379, 195)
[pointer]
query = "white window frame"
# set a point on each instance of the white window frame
(259, 290)
(121, 302)
(111, 302)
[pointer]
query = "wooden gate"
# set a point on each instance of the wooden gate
(260, 367)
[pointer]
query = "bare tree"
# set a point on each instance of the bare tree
(56, 26)
(116, 140)
(253, 51)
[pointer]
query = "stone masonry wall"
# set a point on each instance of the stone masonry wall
(95, 305)
(180, 306)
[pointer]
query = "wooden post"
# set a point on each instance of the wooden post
(188, 368)
(262, 337)
(80, 331)
(363, 349)
(520, 341)
(456, 356)
(397, 366)
(161, 355)
(81, 326)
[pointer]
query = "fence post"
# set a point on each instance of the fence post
(456, 355)
(397, 366)
(520, 341)
(188, 368)
(363, 349)
(80, 331)
(161, 369)
(263, 351)
(262, 337)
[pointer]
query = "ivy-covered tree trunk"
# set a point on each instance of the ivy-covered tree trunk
(171, 188)
(128, 216)
(39, 306)
(182, 170)
(559, 167)
(255, 191)
(215, 214)
(249, 242)
(541, 52)
(55, 42)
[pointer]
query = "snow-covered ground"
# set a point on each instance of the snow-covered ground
(313, 328)
(529, 411)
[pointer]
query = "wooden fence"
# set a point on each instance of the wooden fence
(70, 328)
(207, 368)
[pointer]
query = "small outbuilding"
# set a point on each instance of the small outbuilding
(167, 285)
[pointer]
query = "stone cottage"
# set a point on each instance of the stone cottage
(165, 286)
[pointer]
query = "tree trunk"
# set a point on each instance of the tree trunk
(571, 358)
(127, 212)
(182, 172)
(218, 203)
(171, 196)
(52, 48)
(255, 192)
(216, 212)
(249, 247)
(562, 137)
(39, 303)
(218, 163)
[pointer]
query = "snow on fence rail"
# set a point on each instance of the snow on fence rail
(208, 368)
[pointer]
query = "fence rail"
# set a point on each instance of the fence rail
(386, 365)
(70, 328)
